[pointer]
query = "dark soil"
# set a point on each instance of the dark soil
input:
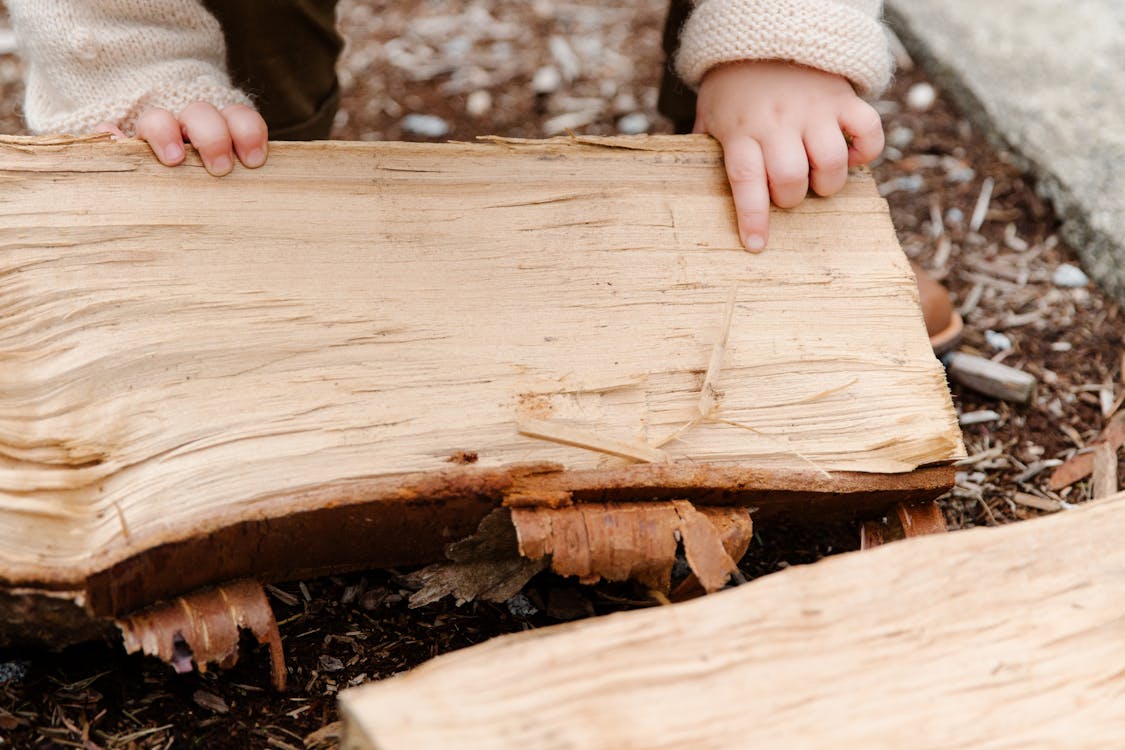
(343, 631)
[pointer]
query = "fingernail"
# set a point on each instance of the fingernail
(221, 165)
(755, 242)
(255, 158)
(173, 153)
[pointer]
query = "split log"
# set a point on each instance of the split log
(1000, 637)
(324, 364)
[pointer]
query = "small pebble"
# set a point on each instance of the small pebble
(955, 217)
(520, 606)
(1061, 346)
(546, 80)
(633, 124)
(624, 103)
(428, 126)
(920, 97)
(564, 56)
(478, 103)
(998, 341)
(960, 175)
(900, 137)
(11, 671)
(978, 417)
(1070, 277)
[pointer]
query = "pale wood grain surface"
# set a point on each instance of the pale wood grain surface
(989, 638)
(179, 351)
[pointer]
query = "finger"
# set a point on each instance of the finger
(827, 153)
(162, 131)
(109, 127)
(249, 133)
(787, 167)
(207, 131)
(861, 123)
(746, 172)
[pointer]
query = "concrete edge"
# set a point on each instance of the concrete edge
(1094, 246)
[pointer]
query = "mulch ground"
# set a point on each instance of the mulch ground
(479, 67)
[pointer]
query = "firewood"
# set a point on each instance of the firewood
(323, 364)
(994, 636)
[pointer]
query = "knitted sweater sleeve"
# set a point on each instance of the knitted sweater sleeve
(844, 37)
(93, 61)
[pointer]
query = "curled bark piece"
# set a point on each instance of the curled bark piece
(638, 541)
(203, 627)
(703, 547)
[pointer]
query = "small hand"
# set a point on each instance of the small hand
(783, 128)
(217, 136)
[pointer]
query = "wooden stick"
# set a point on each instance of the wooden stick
(990, 378)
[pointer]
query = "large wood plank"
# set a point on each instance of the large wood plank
(990, 638)
(321, 364)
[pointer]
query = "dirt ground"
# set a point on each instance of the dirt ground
(479, 67)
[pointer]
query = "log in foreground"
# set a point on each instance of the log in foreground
(1010, 637)
(324, 364)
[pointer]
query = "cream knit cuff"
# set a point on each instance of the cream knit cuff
(94, 61)
(124, 111)
(833, 36)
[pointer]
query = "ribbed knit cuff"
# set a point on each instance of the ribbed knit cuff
(125, 113)
(829, 36)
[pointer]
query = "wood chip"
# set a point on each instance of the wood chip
(1081, 465)
(1105, 471)
(210, 701)
(1036, 502)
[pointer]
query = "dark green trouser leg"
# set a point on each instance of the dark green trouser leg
(283, 53)
(677, 100)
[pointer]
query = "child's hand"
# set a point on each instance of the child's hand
(783, 128)
(213, 133)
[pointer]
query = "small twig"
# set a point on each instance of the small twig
(983, 200)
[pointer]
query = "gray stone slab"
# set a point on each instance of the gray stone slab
(1048, 78)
